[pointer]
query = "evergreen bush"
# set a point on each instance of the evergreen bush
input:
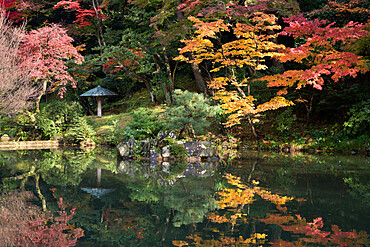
(190, 110)
(359, 121)
(146, 122)
(80, 131)
(64, 117)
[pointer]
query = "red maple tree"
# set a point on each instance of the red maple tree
(323, 53)
(83, 16)
(48, 49)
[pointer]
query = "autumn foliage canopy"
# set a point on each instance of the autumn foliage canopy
(235, 63)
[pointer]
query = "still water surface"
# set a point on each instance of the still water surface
(255, 199)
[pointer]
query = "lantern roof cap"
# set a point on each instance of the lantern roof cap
(98, 91)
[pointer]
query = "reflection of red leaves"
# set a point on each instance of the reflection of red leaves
(281, 209)
(53, 231)
(315, 235)
(277, 219)
(139, 234)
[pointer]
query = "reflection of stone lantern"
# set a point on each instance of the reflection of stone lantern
(98, 192)
(98, 92)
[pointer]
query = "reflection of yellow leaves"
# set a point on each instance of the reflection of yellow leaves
(274, 198)
(233, 180)
(233, 198)
(276, 219)
(229, 241)
(301, 200)
(217, 218)
(211, 229)
(179, 243)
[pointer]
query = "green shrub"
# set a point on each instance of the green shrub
(190, 110)
(285, 121)
(359, 121)
(146, 123)
(19, 126)
(48, 127)
(360, 143)
(113, 135)
(178, 151)
(57, 117)
(80, 131)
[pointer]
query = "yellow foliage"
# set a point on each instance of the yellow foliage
(250, 49)
(179, 243)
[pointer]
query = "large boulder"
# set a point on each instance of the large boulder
(195, 150)
(203, 149)
(126, 149)
(166, 152)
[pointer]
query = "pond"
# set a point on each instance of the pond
(254, 199)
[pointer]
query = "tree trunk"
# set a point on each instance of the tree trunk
(275, 62)
(140, 78)
(163, 84)
(42, 92)
(252, 74)
(170, 75)
(252, 126)
(99, 33)
(182, 132)
(308, 105)
(201, 85)
(199, 81)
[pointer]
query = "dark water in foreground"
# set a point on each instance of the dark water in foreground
(256, 199)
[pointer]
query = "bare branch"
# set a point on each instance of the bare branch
(17, 91)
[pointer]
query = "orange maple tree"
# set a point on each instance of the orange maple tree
(235, 63)
(323, 53)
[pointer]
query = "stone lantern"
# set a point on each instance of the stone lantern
(98, 92)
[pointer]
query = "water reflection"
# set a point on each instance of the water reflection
(266, 198)
(228, 227)
(98, 191)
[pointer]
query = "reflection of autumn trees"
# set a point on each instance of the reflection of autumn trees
(191, 199)
(243, 195)
(311, 232)
(234, 202)
(227, 226)
(24, 224)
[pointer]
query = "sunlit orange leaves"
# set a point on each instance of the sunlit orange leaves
(274, 104)
(213, 217)
(235, 197)
(179, 243)
(249, 49)
(256, 238)
(322, 53)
